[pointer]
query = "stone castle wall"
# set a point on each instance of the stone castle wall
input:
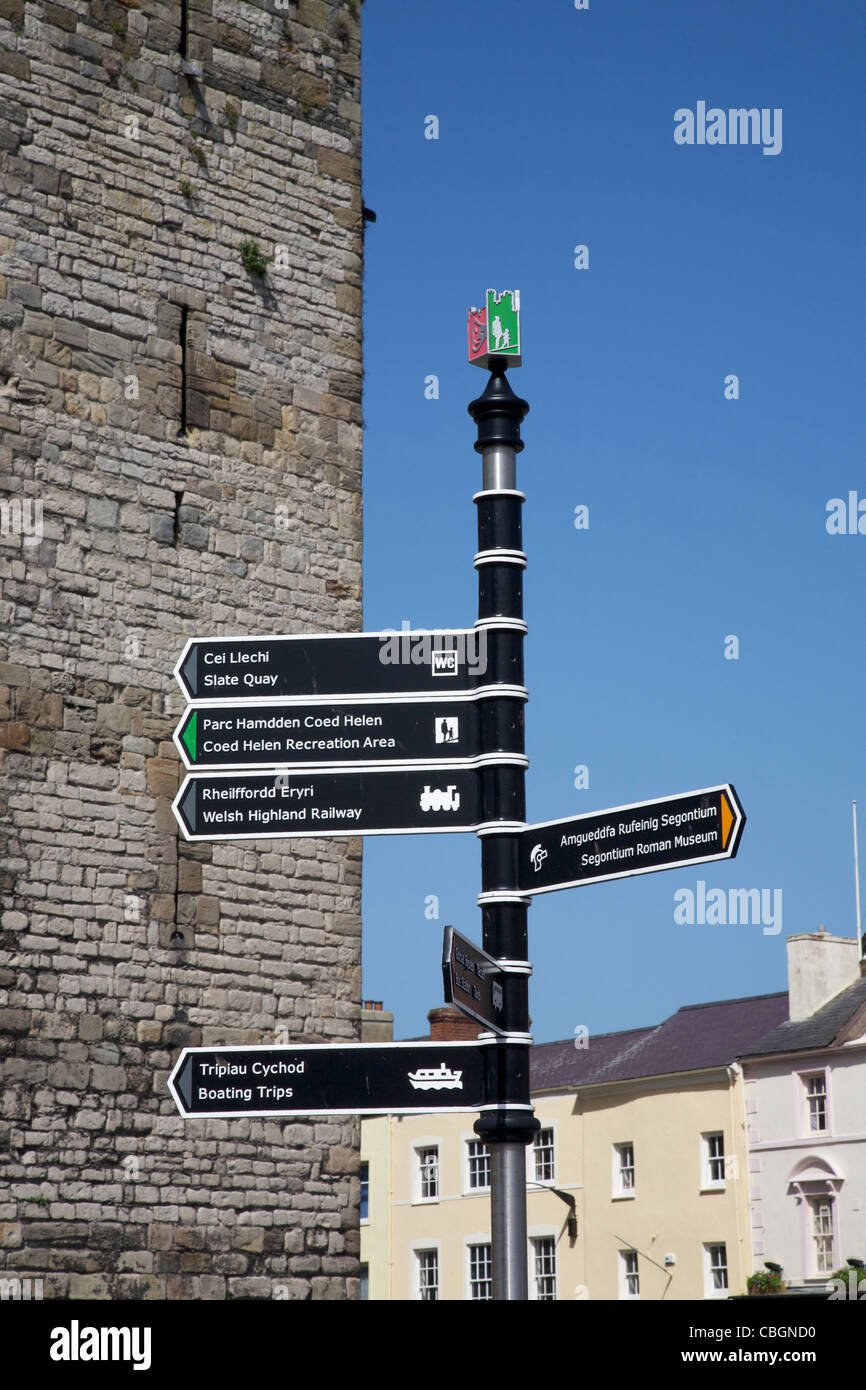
(191, 431)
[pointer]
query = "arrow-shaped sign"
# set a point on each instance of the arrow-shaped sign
(345, 666)
(383, 733)
(331, 1079)
(253, 806)
(692, 828)
(473, 980)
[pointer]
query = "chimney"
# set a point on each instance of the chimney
(448, 1024)
(377, 1025)
(820, 966)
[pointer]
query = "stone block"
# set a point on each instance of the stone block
(60, 17)
(15, 737)
(90, 1027)
(108, 1078)
(89, 1286)
(345, 167)
(310, 90)
(102, 512)
(15, 1022)
(15, 64)
(341, 1160)
(162, 776)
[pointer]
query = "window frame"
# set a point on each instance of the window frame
(473, 1243)
(468, 1188)
(364, 1199)
(536, 1237)
(708, 1182)
(813, 1200)
(624, 1258)
(419, 1147)
(620, 1192)
(710, 1290)
(806, 1077)
(534, 1150)
(419, 1249)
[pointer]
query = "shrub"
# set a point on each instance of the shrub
(765, 1281)
(254, 262)
(858, 1282)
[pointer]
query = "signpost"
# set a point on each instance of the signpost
(324, 667)
(331, 1079)
(692, 828)
(262, 805)
(416, 732)
(373, 734)
(494, 330)
(475, 983)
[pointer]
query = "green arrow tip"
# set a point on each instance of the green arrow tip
(189, 734)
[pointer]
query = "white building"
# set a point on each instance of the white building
(805, 1098)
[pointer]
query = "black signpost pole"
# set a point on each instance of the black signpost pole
(507, 1122)
(366, 742)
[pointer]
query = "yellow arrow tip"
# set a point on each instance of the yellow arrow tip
(727, 821)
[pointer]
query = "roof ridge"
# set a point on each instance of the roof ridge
(597, 1037)
(743, 999)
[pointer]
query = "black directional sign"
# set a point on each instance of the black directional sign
(473, 980)
(328, 667)
(238, 806)
(692, 828)
(330, 1079)
(369, 734)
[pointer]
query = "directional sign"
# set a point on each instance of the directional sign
(473, 980)
(330, 1079)
(692, 828)
(344, 735)
(234, 806)
(328, 667)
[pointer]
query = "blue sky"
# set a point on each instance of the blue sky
(707, 516)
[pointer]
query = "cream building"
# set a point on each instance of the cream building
(636, 1184)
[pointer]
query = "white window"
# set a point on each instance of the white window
(477, 1165)
(428, 1275)
(544, 1268)
(480, 1272)
(428, 1172)
(629, 1279)
(623, 1170)
(822, 1234)
(543, 1153)
(816, 1101)
(715, 1270)
(713, 1163)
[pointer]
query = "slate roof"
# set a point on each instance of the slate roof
(695, 1037)
(818, 1030)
